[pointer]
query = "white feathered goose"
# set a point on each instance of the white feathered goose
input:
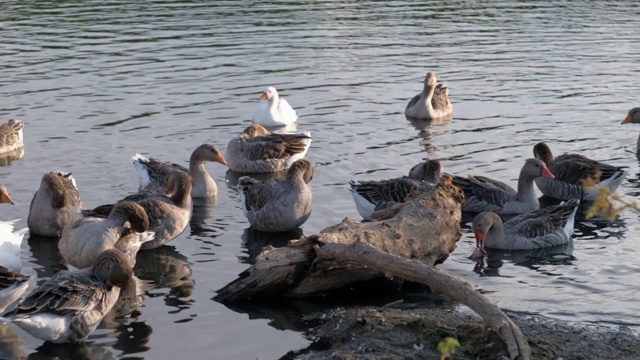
(573, 174)
(11, 136)
(55, 205)
(69, 306)
(124, 229)
(278, 205)
(257, 150)
(485, 194)
(275, 111)
(536, 229)
(153, 174)
(168, 215)
(432, 103)
(374, 195)
(633, 117)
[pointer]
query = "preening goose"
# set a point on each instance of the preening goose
(153, 174)
(485, 194)
(576, 176)
(278, 205)
(124, 229)
(11, 136)
(275, 111)
(374, 195)
(257, 150)
(633, 117)
(432, 103)
(69, 306)
(536, 229)
(168, 215)
(55, 205)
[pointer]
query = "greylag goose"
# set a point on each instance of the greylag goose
(257, 150)
(536, 229)
(485, 194)
(87, 238)
(371, 196)
(576, 176)
(153, 174)
(11, 137)
(432, 103)
(69, 306)
(168, 214)
(278, 205)
(633, 117)
(55, 205)
(276, 111)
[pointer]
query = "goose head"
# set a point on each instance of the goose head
(269, 94)
(430, 80)
(633, 116)
(208, 152)
(482, 224)
(430, 171)
(4, 195)
(541, 151)
(254, 130)
(133, 213)
(113, 268)
(303, 168)
(534, 168)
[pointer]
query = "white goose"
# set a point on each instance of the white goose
(276, 111)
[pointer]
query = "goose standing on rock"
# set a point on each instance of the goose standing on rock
(257, 150)
(168, 214)
(432, 103)
(576, 176)
(88, 237)
(153, 174)
(485, 194)
(374, 195)
(537, 229)
(276, 111)
(633, 117)
(11, 136)
(55, 205)
(278, 205)
(69, 306)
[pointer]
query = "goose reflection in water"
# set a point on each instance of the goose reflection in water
(532, 259)
(425, 131)
(48, 260)
(81, 351)
(201, 213)
(254, 241)
(7, 158)
(166, 268)
(11, 345)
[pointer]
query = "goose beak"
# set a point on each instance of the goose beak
(479, 238)
(220, 159)
(263, 96)
(5, 198)
(547, 173)
(626, 120)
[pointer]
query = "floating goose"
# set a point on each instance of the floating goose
(576, 176)
(276, 111)
(153, 174)
(55, 205)
(633, 117)
(257, 150)
(278, 205)
(432, 103)
(11, 136)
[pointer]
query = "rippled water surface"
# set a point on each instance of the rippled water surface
(97, 81)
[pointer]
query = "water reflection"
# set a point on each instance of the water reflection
(11, 345)
(48, 259)
(8, 157)
(165, 267)
(426, 133)
(82, 351)
(253, 241)
(202, 210)
(133, 337)
(531, 259)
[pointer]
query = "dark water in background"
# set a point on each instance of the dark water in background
(96, 82)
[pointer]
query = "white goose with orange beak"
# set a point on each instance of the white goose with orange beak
(276, 111)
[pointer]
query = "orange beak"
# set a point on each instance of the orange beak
(263, 96)
(627, 120)
(221, 160)
(5, 198)
(479, 238)
(547, 173)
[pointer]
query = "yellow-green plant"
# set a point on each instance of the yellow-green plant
(447, 346)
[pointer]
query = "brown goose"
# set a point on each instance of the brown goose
(55, 205)
(374, 195)
(257, 150)
(633, 117)
(69, 306)
(573, 173)
(485, 194)
(153, 174)
(278, 205)
(168, 215)
(536, 229)
(11, 137)
(124, 229)
(432, 103)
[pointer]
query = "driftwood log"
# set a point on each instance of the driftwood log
(406, 243)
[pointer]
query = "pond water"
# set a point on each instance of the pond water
(98, 81)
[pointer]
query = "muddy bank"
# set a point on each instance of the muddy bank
(394, 333)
